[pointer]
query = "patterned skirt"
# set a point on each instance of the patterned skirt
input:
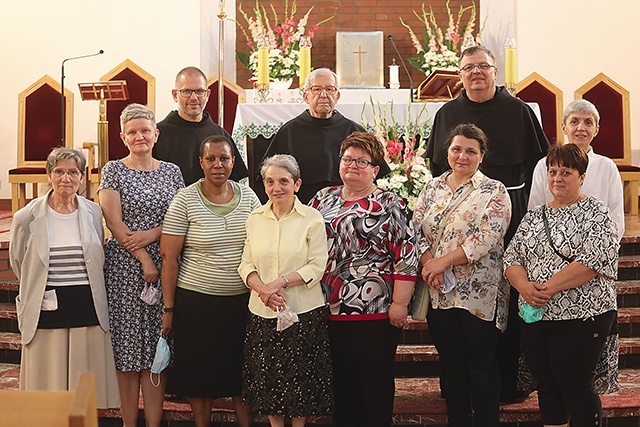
(288, 373)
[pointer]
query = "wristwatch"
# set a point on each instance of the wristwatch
(286, 281)
(167, 310)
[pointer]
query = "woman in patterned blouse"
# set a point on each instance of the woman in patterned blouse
(369, 280)
(567, 268)
(461, 219)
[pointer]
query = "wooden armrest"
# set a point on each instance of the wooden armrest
(83, 411)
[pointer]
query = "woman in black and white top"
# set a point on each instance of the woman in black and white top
(566, 268)
(56, 253)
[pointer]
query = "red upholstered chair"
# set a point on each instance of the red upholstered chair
(614, 138)
(142, 90)
(39, 131)
(536, 88)
(233, 95)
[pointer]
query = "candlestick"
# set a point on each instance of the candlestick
(510, 65)
(305, 59)
(263, 62)
(394, 75)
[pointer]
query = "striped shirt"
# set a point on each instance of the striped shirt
(66, 259)
(213, 243)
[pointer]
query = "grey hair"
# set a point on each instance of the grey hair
(136, 111)
(318, 72)
(581, 106)
(475, 49)
(284, 161)
(64, 153)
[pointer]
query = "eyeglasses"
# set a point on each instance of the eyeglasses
(360, 163)
(73, 173)
(482, 67)
(317, 90)
(186, 93)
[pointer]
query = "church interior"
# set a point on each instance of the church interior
(565, 50)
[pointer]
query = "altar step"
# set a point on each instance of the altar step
(417, 403)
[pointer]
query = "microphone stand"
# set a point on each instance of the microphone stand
(62, 104)
(390, 38)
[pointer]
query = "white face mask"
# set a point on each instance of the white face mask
(286, 318)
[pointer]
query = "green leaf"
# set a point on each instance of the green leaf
(243, 58)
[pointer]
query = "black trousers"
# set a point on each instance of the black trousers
(469, 370)
(563, 356)
(363, 355)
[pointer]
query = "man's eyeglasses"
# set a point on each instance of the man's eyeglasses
(59, 173)
(482, 67)
(360, 163)
(317, 90)
(186, 93)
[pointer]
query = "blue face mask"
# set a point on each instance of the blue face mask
(161, 359)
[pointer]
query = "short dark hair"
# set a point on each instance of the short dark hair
(568, 155)
(365, 141)
(216, 139)
(471, 131)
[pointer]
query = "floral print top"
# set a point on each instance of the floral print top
(371, 244)
(583, 231)
(478, 225)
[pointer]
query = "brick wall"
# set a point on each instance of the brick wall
(359, 15)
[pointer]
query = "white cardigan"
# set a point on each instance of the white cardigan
(29, 257)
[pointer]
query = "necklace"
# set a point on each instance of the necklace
(355, 195)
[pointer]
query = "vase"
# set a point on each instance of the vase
(280, 84)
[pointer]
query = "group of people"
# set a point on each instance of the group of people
(294, 308)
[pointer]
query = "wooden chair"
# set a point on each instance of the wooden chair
(233, 95)
(535, 88)
(51, 408)
(39, 131)
(614, 138)
(142, 90)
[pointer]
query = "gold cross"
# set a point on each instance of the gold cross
(359, 52)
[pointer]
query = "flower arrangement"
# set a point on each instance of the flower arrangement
(282, 36)
(404, 150)
(444, 48)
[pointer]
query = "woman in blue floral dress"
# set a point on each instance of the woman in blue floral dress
(135, 193)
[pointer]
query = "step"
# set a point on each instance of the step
(9, 285)
(417, 401)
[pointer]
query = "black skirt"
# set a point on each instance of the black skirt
(208, 336)
(288, 373)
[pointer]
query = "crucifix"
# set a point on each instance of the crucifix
(359, 52)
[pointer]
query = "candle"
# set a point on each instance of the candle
(394, 75)
(263, 62)
(510, 62)
(305, 59)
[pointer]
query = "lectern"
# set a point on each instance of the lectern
(441, 85)
(115, 90)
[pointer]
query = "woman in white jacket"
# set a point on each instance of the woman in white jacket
(56, 252)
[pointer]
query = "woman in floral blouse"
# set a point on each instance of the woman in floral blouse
(461, 218)
(369, 279)
(566, 268)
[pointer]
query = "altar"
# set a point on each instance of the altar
(256, 124)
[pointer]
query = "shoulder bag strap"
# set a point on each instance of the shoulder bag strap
(546, 229)
(450, 209)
